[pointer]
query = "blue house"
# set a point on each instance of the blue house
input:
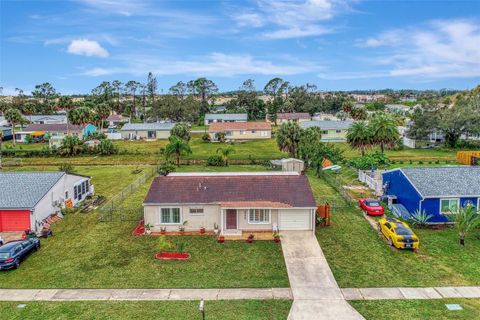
(437, 190)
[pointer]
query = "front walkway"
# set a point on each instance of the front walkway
(410, 293)
(316, 294)
(143, 294)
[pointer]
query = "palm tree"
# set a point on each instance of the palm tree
(384, 130)
(14, 117)
(177, 147)
(464, 219)
(71, 145)
(1, 140)
(288, 138)
(359, 137)
(225, 153)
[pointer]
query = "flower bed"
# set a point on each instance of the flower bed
(172, 256)
(139, 229)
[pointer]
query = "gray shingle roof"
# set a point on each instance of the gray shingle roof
(25, 189)
(46, 117)
(226, 116)
(148, 126)
(445, 181)
(327, 125)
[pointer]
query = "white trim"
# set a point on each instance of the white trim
(263, 222)
(446, 198)
(170, 224)
(452, 196)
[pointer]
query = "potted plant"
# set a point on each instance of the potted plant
(202, 230)
(276, 237)
(221, 239)
(215, 228)
(148, 228)
(250, 238)
(163, 230)
(182, 227)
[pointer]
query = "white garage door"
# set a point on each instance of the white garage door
(294, 219)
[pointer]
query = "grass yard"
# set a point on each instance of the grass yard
(128, 310)
(418, 309)
(86, 253)
(359, 257)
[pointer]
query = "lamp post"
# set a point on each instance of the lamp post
(201, 307)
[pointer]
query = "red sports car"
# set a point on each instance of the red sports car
(371, 207)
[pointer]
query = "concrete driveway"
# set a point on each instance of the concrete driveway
(316, 294)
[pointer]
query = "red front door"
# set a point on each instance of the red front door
(231, 219)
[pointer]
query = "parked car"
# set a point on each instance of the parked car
(371, 207)
(398, 233)
(13, 252)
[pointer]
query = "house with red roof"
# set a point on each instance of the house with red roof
(250, 130)
(236, 202)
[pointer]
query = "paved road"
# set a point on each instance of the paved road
(316, 294)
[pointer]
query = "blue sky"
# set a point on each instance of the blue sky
(336, 44)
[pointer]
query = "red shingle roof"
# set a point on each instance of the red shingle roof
(232, 126)
(293, 116)
(268, 191)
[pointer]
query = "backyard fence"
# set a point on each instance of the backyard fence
(115, 210)
(372, 179)
(331, 179)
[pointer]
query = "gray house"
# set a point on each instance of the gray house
(225, 117)
(332, 131)
(46, 119)
(147, 131)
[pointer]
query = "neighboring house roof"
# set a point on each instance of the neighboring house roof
(148, 126)
(5, 128)
(25, 189)
(293, 116)
(226, 116)
(445, 181)
(116, 117)
(327, 125)
(264, 190)
(235, 126)
(46, 117)
(53, 127)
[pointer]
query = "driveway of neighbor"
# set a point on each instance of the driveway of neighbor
(316, 294)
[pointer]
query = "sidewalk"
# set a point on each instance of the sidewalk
(410, 293)
(316, 294)
(143, 294)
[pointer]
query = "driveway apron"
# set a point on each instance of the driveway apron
(316, 294)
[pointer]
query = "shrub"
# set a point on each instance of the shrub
(369, 161)
(215, 161)
(420, 218)
(105, 147)
(221, 136)
(67, 167)
(166, 167)
(206, 137)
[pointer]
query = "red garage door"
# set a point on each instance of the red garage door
(14, 220)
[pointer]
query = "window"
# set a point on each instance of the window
(243, 132)
(83, 188)
(324, 131)
(264, 133)
(198, 211)
(258, 216)
(228, 133)
(75, 192)
(253, 131)
(338, 131)
(66, 194)
(449, 205)
(170, 215)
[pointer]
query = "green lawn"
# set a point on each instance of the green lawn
(417, 309)
(86, 253)
(166, 310)
(359, 257)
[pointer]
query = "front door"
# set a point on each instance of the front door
(231, 219)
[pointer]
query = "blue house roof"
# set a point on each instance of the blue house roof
(25, 189)
(452, 181)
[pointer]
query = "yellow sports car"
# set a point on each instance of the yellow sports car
(398, 233)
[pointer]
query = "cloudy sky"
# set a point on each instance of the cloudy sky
(336, 44)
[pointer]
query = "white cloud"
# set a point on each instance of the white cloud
(215, 64)
(438, 49)
(121, 7)
(87, 48)
(292, 18)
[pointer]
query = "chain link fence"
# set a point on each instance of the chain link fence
(115, 208)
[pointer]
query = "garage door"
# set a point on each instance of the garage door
(14, 220)
(294, 219)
